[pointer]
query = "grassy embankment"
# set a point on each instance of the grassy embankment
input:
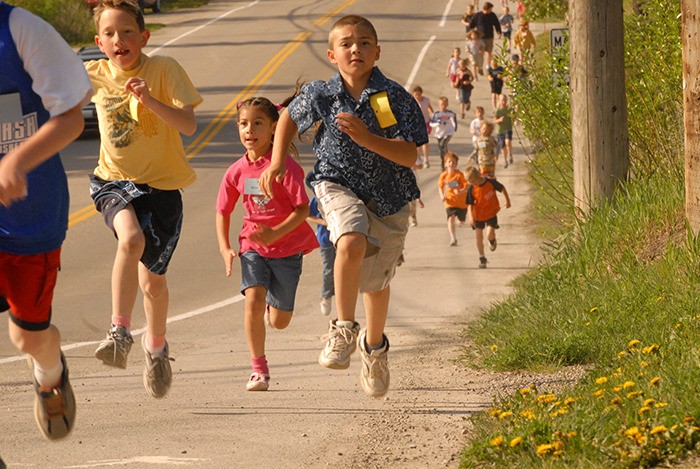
(616, 292)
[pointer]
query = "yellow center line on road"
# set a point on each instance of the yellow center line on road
(230, 110)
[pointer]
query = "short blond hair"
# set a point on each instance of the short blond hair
(129, 6)
(471, 173)
(352, 20)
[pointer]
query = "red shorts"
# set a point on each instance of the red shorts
(27, 282)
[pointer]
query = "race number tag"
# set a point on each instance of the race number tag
(134, 108)
(251, 187)
(10, 108)
(382, 109)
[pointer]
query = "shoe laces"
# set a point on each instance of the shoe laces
(338, 338)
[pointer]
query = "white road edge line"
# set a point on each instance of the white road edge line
(224, 15)
(443, 21)
(137, 332)
(418, 63)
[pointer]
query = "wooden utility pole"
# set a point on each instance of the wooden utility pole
(598, 102)
(691, 109)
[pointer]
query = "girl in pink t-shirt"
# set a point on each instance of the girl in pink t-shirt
(274, 237)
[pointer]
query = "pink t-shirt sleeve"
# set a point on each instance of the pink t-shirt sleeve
(228, 193)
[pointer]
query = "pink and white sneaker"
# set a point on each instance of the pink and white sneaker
(258, 382)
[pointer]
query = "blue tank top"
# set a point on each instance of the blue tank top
(38, 223)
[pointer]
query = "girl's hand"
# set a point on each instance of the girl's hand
(263, 234)
(228, 256)
(421, 204)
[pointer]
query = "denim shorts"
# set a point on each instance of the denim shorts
(279, 276)
(159, 213)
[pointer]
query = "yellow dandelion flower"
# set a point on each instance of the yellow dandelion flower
(494, 347)
(498, 441)
(593, 309)
(558, 453)
(654, 381)
(558, 445)
(651, 348)
(644, 410)
(617, 388)
(571, 434)
(544, 449)
(505, 414)
(629, 384)
(658, 429)
(688, 419)
(599, 393)
(644, 364)
(515, 441)
(649, 402)
(616, 400)
(546, 398)
(524, 391)
(679, 325)
(587, 324)
(493, 412)
(661, 405)
(632, 432)
(633, 394)
(601, 380)
(527, 414)
(621, 354)
(659, 298)
(569, 401)
(641, 439)
(633, 343)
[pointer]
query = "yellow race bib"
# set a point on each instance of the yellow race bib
(382, 109)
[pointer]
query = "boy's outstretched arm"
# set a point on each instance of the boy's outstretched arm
(505, 194)
(51, 137)
(284, 134)
(182, 119)
(396, 150)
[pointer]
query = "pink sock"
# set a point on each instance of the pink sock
(260, 365)
(121, 321)
(155, 344)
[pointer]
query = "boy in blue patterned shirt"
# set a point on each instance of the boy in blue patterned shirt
(366, 144)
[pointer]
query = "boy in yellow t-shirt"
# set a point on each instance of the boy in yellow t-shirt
(143, 104)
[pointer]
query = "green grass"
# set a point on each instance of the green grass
(616, 292)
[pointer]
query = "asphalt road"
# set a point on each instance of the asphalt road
(311, 417)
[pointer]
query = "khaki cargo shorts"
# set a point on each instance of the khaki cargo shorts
(345, 213)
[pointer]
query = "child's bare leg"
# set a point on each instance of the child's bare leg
(509, 147)
(125, 277)
(156, 297)
(451, 229)
(254, 320)
(490, 234)
(350, 251)
(480, 241)
(43, 346)
(376, 309)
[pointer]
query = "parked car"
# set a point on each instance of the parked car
(89, 111)
(154, 5)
